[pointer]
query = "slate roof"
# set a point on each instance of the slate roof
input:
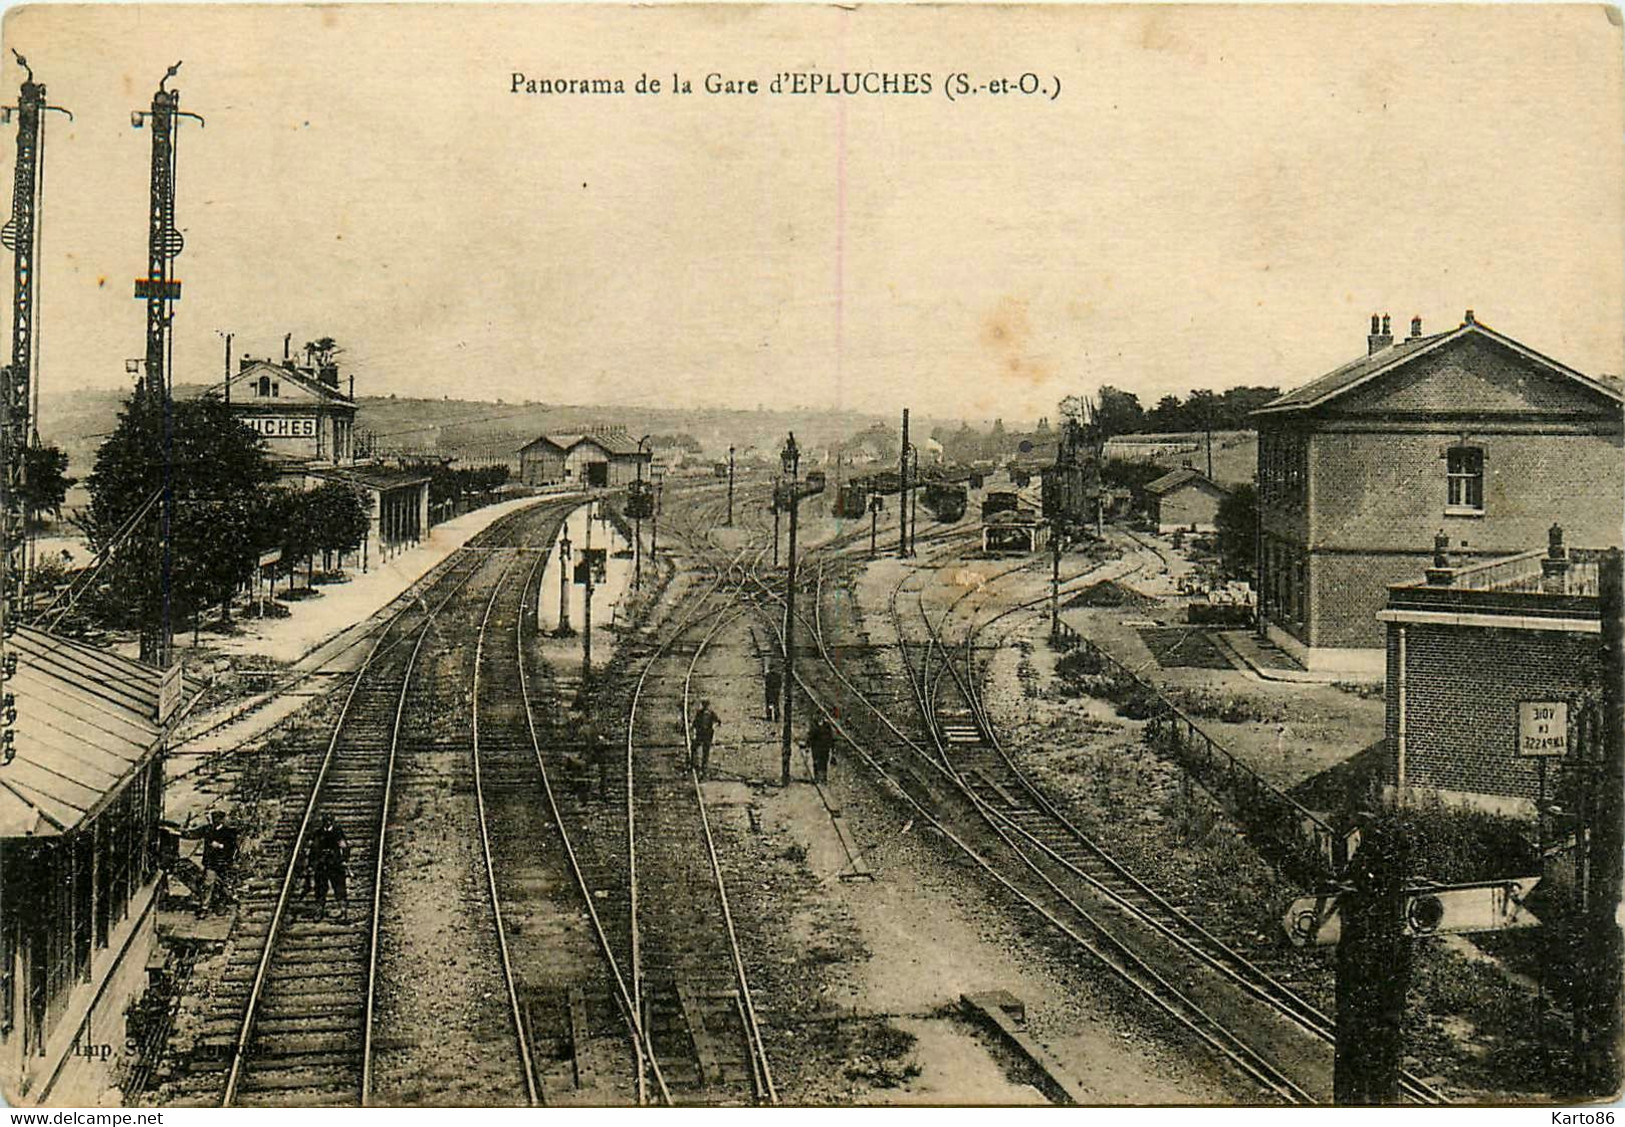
(1348, 376)
(87, 720)
(1172, 480)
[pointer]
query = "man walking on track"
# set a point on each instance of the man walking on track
(821, 742)
(774, 686)
(327, 859)
(705, 730)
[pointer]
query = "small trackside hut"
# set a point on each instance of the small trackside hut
(79, 863)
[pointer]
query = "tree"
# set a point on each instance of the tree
(217, 476)
(1167, 417)
(1118, 412)
(48, 482)
(339, 519)
(1237, 523)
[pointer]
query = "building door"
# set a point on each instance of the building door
(598, 474)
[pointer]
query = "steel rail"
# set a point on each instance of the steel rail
(527, 1066)
(682, 627)
(629, 1009)
(1225, 1042)
(752, 1027)
(443, 571)
(1243, 971)
(279, 913)
(1127, 963)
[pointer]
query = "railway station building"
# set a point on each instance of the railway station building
(79, 863)
(1494, 672)
(605, 458)
(1466, 431)
(308, 425)
(300, 412)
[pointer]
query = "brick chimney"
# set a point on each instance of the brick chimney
(1380, 338)
(1416, 327)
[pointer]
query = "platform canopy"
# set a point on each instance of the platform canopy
(87, 721)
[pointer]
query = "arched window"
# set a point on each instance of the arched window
(265, 385)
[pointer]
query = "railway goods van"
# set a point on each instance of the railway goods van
(945, 501)
(852, 499)
(999, 501)
(887, 481)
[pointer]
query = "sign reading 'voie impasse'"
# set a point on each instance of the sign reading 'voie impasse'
(1543, 727)
(274, 426)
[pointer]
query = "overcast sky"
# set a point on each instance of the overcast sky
(1218, 196)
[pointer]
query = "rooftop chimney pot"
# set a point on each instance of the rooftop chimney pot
(1416, 327)
(1380, 337)
(1468, 320)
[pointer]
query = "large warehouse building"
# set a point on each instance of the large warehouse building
(604, 458)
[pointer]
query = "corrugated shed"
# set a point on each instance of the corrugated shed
(86, 720)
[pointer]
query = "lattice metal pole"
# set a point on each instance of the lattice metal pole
(160, 290)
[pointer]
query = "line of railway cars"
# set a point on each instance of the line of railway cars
(944, 493)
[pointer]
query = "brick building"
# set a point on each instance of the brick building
(1185, 499)
(1466, 647)
(1467, 431)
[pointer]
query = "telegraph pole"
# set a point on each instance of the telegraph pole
(730, 521)
(159, 290)
(902, 494)
(792, 462)
(225, 384)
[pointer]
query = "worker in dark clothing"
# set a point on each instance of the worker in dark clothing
(328, 859)
(218, 860)
(601, 755)
(775, 687)
(705, 730)
(821, 742)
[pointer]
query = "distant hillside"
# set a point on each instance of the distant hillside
(478, 429)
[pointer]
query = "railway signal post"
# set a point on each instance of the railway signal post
(730, 521)
(787, 494)
(1372, 918)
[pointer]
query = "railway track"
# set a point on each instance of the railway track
(294, 1022)
(689, 981)
(1037, 860)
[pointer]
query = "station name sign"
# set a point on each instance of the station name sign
(1543, 728)
(274, 426)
